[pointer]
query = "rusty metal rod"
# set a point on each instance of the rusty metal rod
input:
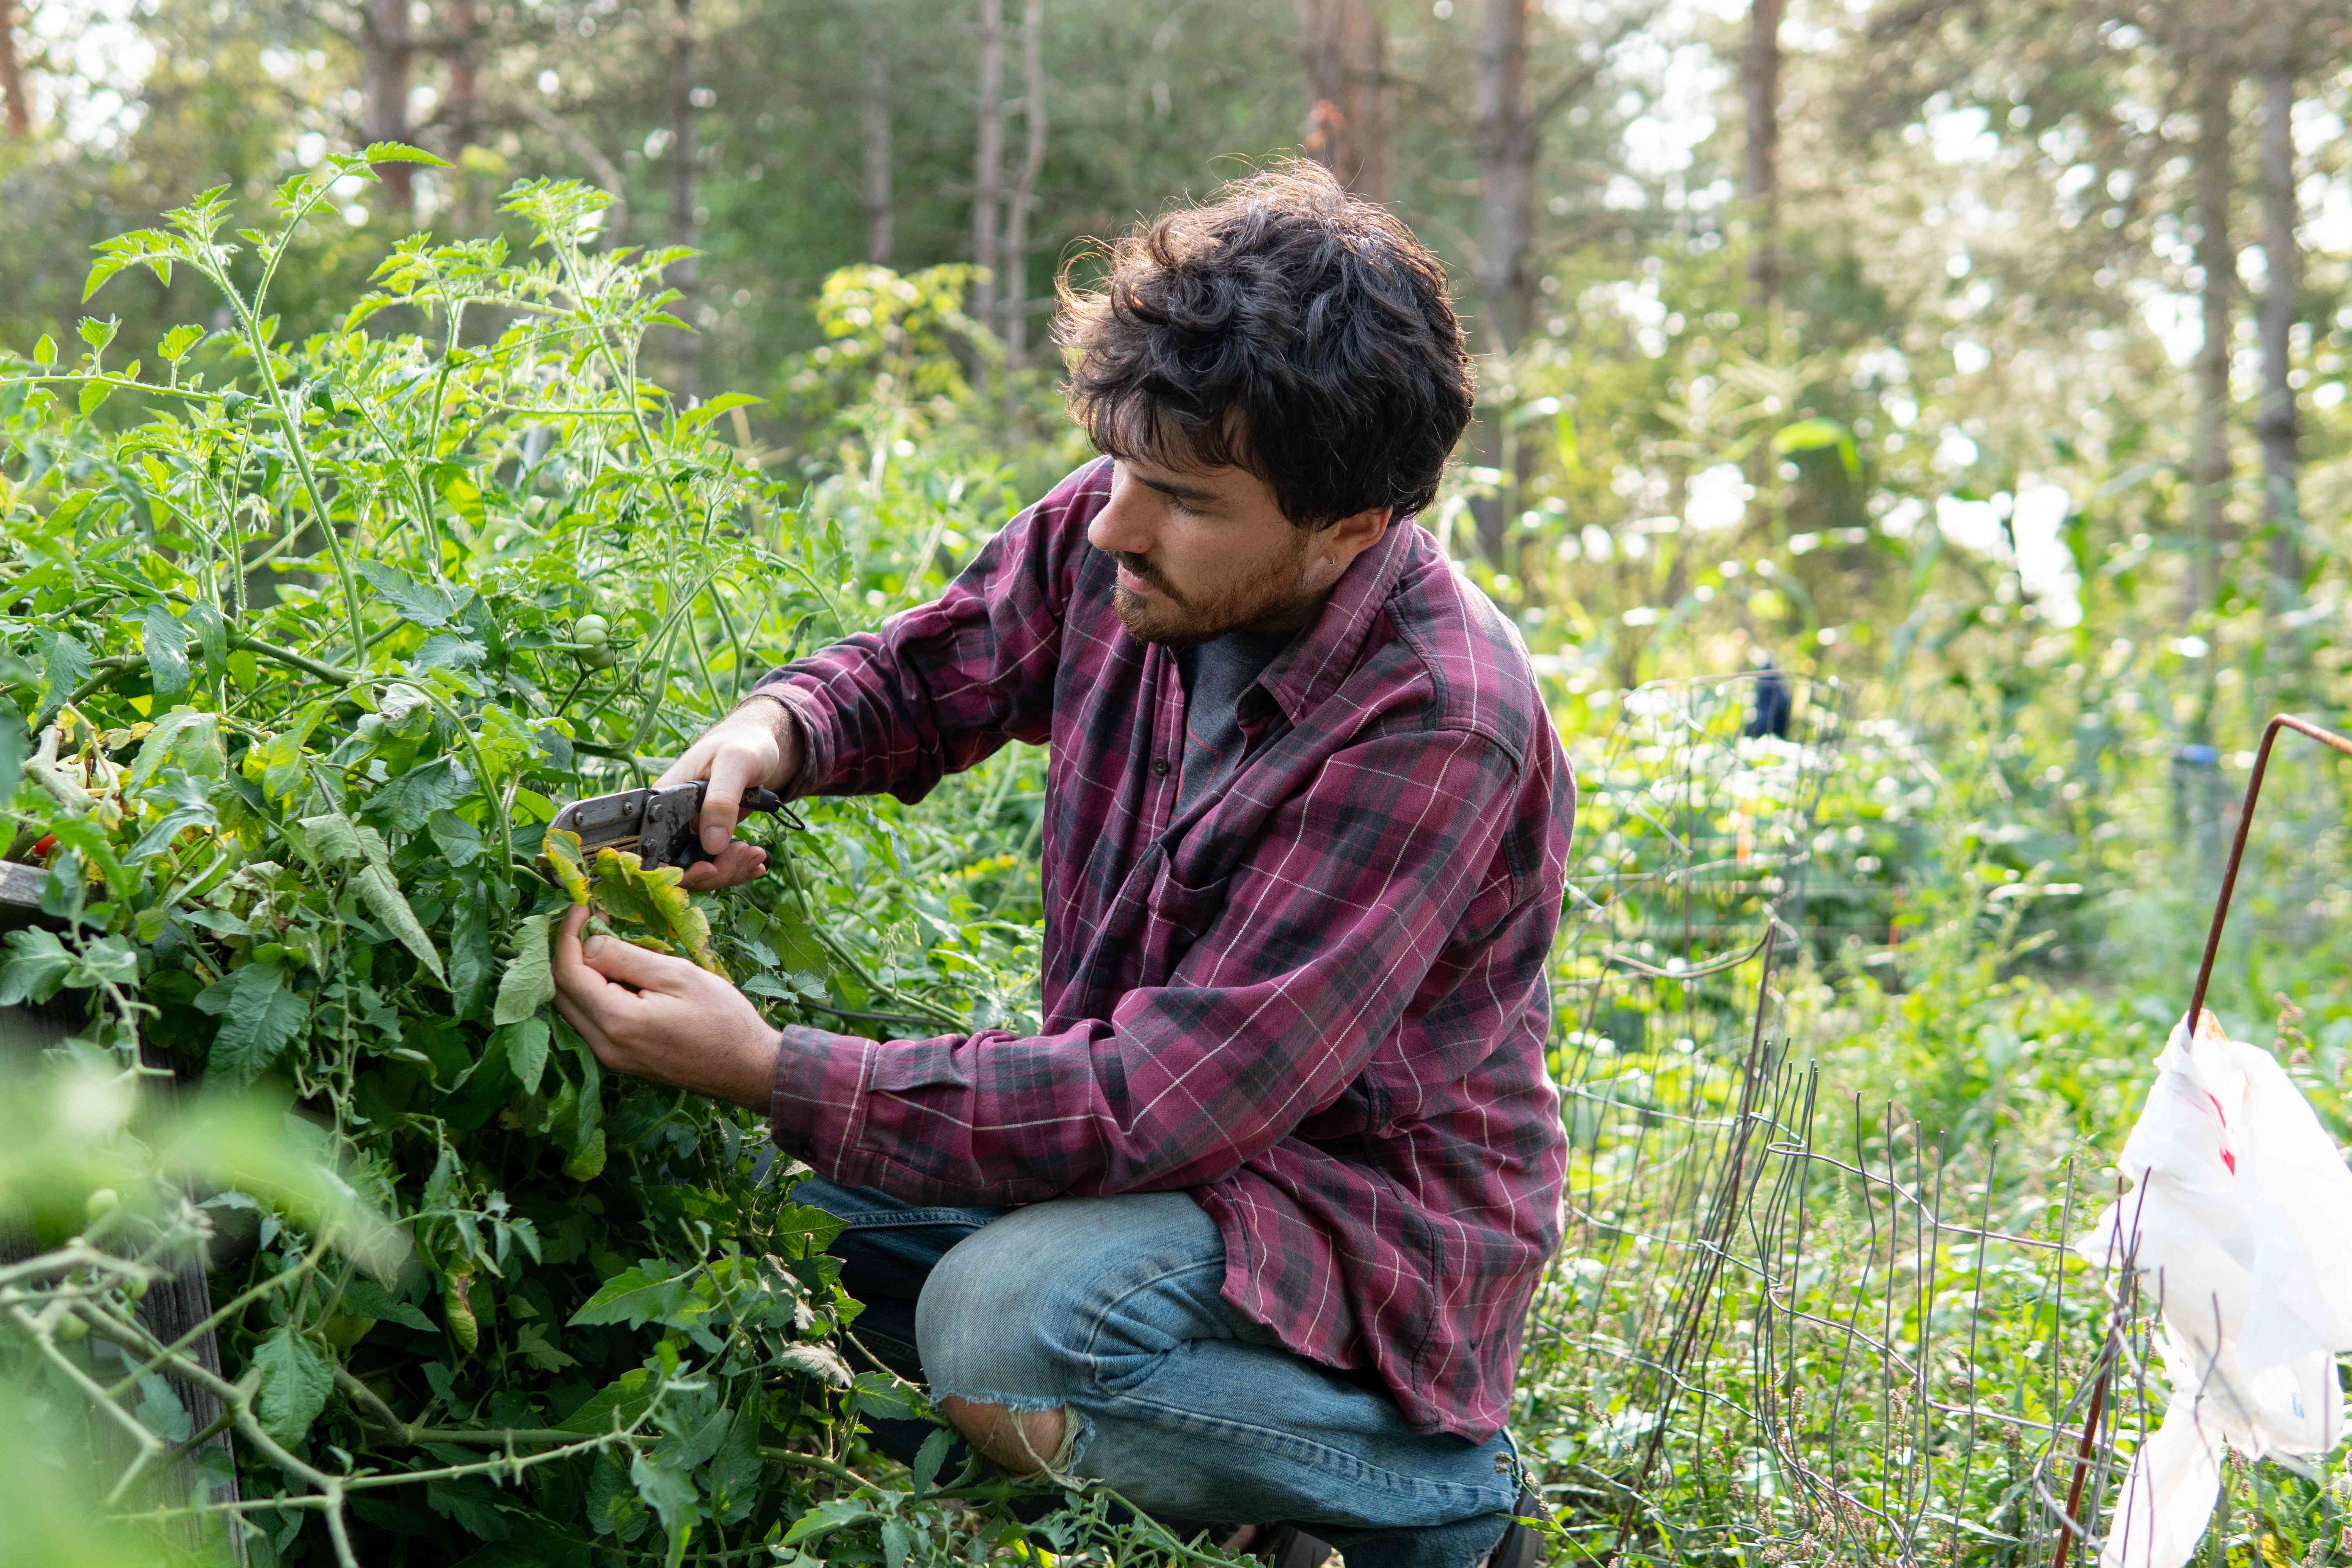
(2326, 737)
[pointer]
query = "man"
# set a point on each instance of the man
(1248, 1230)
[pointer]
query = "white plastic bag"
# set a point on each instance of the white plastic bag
(2240, 1218)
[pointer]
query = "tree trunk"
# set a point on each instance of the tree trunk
(1507, 170)
(1761, 81)
(988, 162)
(2209, 462)
(1341, 45)
(12, 75)
(685, 275)
(387, 52)
(1024, 195)
(875, 123)
(1505, 153)
(2279, 426)
(465, 104)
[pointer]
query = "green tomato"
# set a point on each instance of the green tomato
(101, 1203)
(70, 1327)
(345, 1330)
(597, 657)
(593, 630)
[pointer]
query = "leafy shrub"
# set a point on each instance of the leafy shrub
(301, 643)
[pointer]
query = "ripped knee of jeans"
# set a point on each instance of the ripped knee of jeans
(1005, 1436)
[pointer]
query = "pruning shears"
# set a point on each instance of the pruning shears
(657, 822)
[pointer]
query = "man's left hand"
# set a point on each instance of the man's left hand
(652, 1016)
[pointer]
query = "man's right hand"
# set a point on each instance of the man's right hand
(756, 746)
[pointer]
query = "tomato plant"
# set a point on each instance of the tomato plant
(302, 646)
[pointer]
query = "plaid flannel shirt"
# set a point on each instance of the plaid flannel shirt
(1317, 1000)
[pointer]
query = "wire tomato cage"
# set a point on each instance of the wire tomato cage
(1787, 1326)
(2071, 1526)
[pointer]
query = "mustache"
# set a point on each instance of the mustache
(1142, 567)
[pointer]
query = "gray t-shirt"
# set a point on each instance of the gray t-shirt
(1215, 675)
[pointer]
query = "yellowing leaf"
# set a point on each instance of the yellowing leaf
(570, 864)
(458, 1305)
(655, 901)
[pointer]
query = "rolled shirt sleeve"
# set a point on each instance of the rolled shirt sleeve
(1325, 935)
(938, 688)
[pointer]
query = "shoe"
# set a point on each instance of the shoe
(1521, 1547)
(1287, 1546)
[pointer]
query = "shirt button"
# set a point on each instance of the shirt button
(1160, 767)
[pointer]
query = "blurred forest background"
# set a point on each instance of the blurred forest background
(1991, 342)
(1987, 356)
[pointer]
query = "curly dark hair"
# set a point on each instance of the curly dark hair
(1286, 328)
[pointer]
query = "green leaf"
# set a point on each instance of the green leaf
(929, 1457)
(179, 341)
(587, 1161)
(336, 840)
(408, 801)
(65, 667)
(428, 603)
(110, 960)
(98, 334)
(669, 1493)
(261, 1016)
(93, 395)
(401, 153)
(704, 414)
(166, 643)
(734, 1479)
(384, 900)
(211, 633)
(836, 1514)
(529, 983)
(15, 745)
(692, 1451)
(620, 1402)
(284, 762)
(191, 806)
(104, 268)
(459, 841)
(473, 963)
(634, 1296)
(294, 1382)
(817, 1361)
(44, 351)
(469, 1500)
(1812, 435)
(364, 1298)
(526, 1052)
(186, 739)
(456, 486)
(36, 966)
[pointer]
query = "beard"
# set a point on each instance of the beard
(1272, 602)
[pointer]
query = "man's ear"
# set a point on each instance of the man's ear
(1351, 536)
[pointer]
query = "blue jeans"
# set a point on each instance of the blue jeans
(1110, 1309)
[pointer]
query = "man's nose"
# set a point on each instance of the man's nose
(1121, 526)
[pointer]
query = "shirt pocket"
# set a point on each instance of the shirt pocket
(1177, 914)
